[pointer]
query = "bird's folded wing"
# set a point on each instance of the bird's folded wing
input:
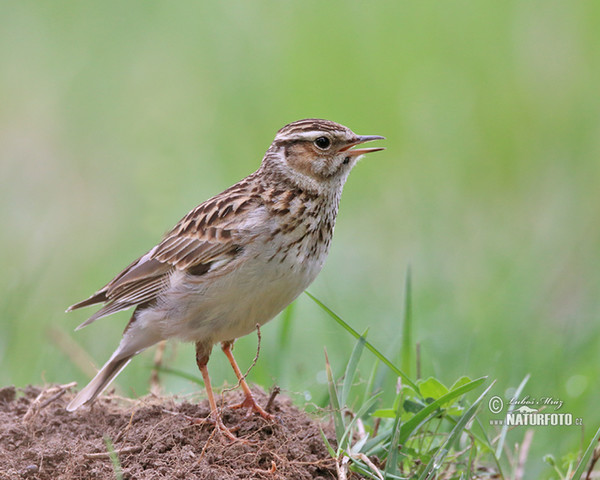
(143, 280)
(183, 251)
(207, 240)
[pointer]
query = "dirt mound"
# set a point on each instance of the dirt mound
(153, 438)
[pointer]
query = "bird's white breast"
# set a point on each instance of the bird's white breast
(270, 273)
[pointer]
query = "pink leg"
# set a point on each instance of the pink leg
(249, 402)
(202, 360)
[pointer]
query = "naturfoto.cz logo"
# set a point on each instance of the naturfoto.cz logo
(527, 411)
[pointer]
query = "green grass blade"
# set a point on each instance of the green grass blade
(284, 338)
(482, 441)
(410, 425)
(338, 418)
(391, 464)
(114, 458)
(374, 444)
(351, 369)
(472, 455)
(406, 359)
(437, 460)
(359, 414)
(356, 335)
(586, 457)
(370, 382)
(511, 407)
(359, 467)
(327, 444)
(285, 326)
(486, 443)
(179, 373)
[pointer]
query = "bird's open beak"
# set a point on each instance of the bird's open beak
(362, 139)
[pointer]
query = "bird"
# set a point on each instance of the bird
(235, 261)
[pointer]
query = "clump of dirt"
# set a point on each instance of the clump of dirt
(154, 438)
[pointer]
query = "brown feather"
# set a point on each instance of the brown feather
(205, 235)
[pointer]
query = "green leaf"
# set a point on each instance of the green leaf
(422, 415)
(437, 460)
(413, 406)
(432, 388)
(384, 413)
(425, 413)
(460, 382)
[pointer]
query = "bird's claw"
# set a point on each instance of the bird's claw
(252, 407)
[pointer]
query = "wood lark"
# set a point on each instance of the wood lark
(236, 260)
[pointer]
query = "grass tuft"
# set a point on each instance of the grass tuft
(429, 430)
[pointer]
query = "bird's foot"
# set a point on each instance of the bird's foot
(249, 403)
(217, 422)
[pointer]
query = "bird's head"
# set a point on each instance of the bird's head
(317, 153)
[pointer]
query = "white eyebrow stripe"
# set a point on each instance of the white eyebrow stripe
(313, 135)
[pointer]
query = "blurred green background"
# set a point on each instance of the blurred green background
(116, 118)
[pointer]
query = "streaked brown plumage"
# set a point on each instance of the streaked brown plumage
(237, 259)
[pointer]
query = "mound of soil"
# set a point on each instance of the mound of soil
(154, 438)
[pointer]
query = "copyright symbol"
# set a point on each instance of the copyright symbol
(496, 404)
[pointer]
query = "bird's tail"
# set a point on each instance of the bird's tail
(138, 336)
(99, 383)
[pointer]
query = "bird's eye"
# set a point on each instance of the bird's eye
(323, 143)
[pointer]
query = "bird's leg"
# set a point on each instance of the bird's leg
(249, 402)
(202, 361)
